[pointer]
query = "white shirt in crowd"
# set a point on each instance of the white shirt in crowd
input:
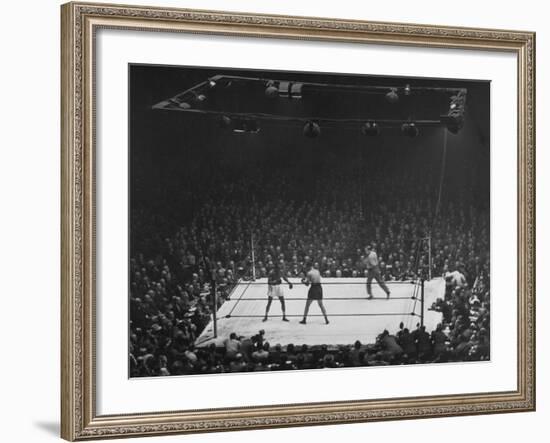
(457, 278)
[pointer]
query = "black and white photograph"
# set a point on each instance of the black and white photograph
(286, 220)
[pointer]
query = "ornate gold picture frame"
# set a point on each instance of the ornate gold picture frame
(80, 22)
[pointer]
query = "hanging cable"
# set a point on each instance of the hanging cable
(439, 194)
(441, 176)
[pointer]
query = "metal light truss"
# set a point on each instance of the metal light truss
(193, 101)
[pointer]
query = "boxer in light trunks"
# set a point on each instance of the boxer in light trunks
(373, 271)
(274, 289)
(313, 278)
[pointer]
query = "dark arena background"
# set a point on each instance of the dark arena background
(235, 172)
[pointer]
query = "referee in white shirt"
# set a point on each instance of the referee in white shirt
(373, 271)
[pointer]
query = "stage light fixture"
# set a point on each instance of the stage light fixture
(410, 129)
(312, 129)
(246, 126)
(184, 105)
(284, 89)
(271, 91)
(392, 96)
(370, 129)
(454, 120)
(296, 90)
(226, 122)
(291, 90)
(201, 97)
(211, 83)
(407, 90)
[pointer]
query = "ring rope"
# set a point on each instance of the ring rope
(325, 283)
(324, 298)
(239, 299)
(384, 314)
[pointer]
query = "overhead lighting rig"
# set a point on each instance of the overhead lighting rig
(198, 100)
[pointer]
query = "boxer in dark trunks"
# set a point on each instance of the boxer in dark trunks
(313, 278)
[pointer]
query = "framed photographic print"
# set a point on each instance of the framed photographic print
(281, 221)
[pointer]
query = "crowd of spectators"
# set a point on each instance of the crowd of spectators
(327, 220)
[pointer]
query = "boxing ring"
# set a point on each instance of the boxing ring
(352, 316)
